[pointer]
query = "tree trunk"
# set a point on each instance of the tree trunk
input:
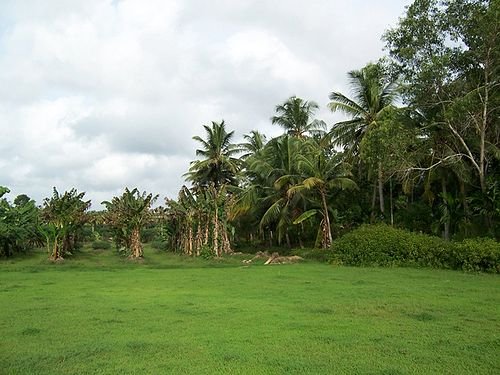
(216, 233)
(446, 231)
(374, 201)
(391, 203)
(190, 239)
(207, 225)
(327, 229)
(135, 243)
(381, 189)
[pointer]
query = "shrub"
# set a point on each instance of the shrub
(382, 245)
(101, 245)
(479, 254)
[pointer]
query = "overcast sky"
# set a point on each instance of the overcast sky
(102, 94)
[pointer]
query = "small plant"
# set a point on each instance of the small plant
(206, 252)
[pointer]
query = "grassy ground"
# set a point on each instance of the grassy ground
(98, 314)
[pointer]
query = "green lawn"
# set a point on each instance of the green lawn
(99, 314)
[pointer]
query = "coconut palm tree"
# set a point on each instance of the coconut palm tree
(374, 93)
(218, 165)
(254, 142)
(295, 117)
(275, 171)
(321, 173)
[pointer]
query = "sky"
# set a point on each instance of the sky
(103, 94)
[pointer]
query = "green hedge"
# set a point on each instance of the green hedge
(382, 245)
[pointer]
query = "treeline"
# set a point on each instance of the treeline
(418, 150)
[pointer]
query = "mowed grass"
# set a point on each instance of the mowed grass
(99, 314)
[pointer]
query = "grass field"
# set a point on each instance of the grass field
(99, 314)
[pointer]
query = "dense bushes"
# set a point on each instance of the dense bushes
(386, 246)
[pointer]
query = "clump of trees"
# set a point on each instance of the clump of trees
(18, 224)
(419, 149)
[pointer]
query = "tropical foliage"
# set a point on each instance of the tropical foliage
(18, 224)
(63, 216)
(127, 215)
(418, 149)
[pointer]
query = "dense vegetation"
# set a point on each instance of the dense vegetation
(418, 150)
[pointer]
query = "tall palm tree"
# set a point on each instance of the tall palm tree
(321, 173)
(210, 176)
(374, 93)
(218, 165)
(295, 116)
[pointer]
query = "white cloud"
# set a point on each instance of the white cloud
(100, 95)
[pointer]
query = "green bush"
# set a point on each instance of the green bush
(101, 245)
(382, 245)
(480, 254)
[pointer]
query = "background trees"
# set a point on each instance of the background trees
(18, 224)
(447, 57)
(421, 136)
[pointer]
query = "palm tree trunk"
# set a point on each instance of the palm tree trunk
(327, 229)
(381, 189)
(374, 200)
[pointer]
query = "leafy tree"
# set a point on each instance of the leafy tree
(128, 214)
(63, 216)
(447, 55)
(18, 224)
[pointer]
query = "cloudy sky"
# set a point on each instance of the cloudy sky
(103, 94)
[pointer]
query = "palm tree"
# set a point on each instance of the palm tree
(374, 94)
(255, 141)
(218, 166)
(128, 214)
(295, 114)
(320, 174)
(210, 176)
(276, 171)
